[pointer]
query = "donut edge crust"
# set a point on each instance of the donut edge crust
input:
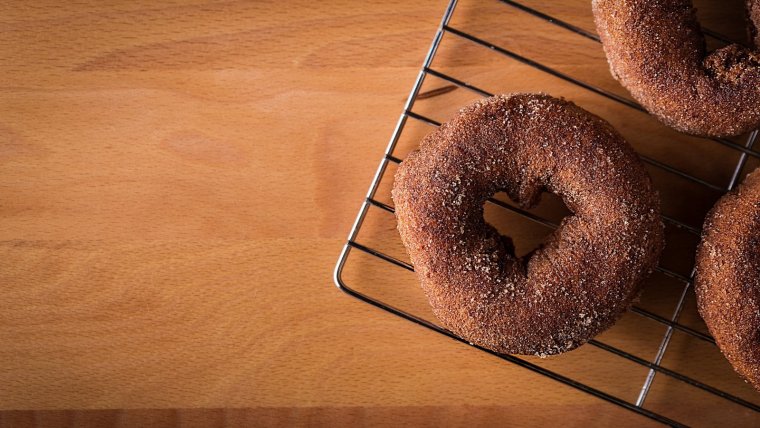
(666, 68)
(727, 281)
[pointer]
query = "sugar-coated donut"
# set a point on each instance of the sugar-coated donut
(727, 281)
(656, 49)
(583, 276)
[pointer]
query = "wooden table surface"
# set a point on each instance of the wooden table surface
(176, 183)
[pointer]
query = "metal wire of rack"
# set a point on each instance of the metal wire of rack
(671, 324)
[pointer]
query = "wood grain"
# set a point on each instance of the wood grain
(177, 180)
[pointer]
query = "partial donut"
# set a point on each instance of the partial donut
(727, 281)
(657, 51)
(583, 276)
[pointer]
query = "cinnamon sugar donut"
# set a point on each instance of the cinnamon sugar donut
(727, 280)
(583, 276)
(657, 51)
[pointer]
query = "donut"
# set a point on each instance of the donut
(727, 281)
(657, 51)
(581, 278)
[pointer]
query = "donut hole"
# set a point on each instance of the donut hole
(526, 234)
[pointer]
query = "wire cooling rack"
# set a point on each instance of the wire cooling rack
(732, 395)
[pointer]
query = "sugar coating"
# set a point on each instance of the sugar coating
(656, 49)
(727, 281)
(583, 276)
